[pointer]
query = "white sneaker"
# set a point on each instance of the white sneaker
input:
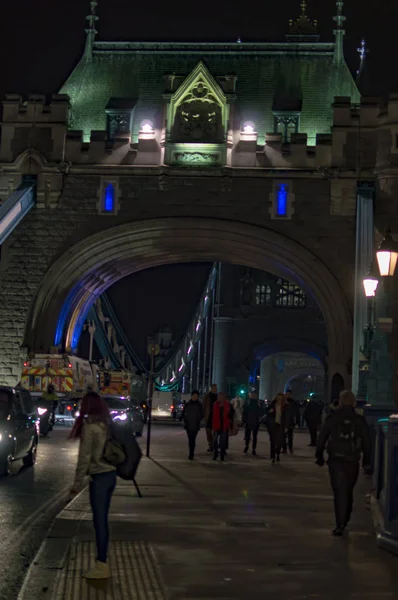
(100, 571)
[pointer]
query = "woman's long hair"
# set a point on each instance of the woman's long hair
(92, 406)
(280, 396)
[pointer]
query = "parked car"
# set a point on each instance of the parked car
(19, 428)
(126, 412)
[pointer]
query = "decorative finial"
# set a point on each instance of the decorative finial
(362, 51)
(303, 26)
(339, 34)
(91, 30)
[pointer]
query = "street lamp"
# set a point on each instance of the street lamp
(378, 359)
(387, 256)
(370, 283)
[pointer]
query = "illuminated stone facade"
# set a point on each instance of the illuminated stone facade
(157, 153)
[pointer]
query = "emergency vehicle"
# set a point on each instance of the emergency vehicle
(71, 376)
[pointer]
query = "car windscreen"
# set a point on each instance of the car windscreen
(5, 404)
(115, 403)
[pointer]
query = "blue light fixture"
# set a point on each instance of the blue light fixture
(109, 197)
(281, 200)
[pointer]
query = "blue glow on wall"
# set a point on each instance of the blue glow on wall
(109, 197)
(63, 315)
(281, 200)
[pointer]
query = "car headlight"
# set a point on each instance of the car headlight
(121, 417)
(41, 411)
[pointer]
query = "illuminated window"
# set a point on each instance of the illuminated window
(290, 295)
(281, 199)
(263, 294)
(286, 123)
(108, 200)
(109, 197)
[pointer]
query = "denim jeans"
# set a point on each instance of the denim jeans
(101, 489)
(220, 440)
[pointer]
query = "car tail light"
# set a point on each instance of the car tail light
(171, 407)
(69, 366)
(69, 408)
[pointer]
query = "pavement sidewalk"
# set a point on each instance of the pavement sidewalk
(204, 530)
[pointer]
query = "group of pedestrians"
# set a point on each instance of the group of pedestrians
(218, 415)
(345, 435)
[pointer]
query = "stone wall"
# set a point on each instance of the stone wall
(50, 229)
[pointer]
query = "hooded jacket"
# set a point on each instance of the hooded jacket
(91, 450)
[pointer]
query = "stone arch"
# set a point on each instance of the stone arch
(30, 162)
(86, 270)
(285, 344)
(299, 372)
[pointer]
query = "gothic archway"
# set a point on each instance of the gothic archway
(81, 274)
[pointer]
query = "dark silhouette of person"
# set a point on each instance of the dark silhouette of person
(346, 435)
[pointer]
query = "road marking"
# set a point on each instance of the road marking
(27, 524)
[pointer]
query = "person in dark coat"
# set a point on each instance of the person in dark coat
(251, 419)
(208, 403)
(346, 435)
(313, 418)
(292, 418)
(276, 419)
(193, 415)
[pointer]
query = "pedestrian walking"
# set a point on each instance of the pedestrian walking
(193, 415)
(292, 418)
(221, 425)
(313, 418)
(208, 402)
(251, 419)
(347, 437)
(236, 404)
(91, 428)
(276, 426)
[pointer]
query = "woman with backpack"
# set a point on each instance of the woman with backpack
(92, 430)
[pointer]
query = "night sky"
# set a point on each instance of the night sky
(42, 40)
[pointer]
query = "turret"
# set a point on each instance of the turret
(339, 34)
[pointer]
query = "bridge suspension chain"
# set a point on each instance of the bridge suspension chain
(194, 346)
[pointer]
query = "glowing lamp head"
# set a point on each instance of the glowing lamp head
(387, 256)
(370, 284)
(147, 126)
(248, 127)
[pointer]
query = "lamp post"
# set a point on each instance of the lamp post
(380, 400)
(370, 284)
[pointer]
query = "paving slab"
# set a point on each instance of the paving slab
(243, 529)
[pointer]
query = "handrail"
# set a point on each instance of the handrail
(16, 207)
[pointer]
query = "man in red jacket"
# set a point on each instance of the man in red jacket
(221, 425)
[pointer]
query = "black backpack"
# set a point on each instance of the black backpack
(344, 441)
(123, 452)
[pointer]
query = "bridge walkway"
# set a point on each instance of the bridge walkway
(205, 530)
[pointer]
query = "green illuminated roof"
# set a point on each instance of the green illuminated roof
(270, 77)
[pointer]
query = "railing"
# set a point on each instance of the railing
(180, 363)
(385, 483)
(117, 350)
(16, 207)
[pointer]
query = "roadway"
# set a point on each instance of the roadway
(30, 499)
